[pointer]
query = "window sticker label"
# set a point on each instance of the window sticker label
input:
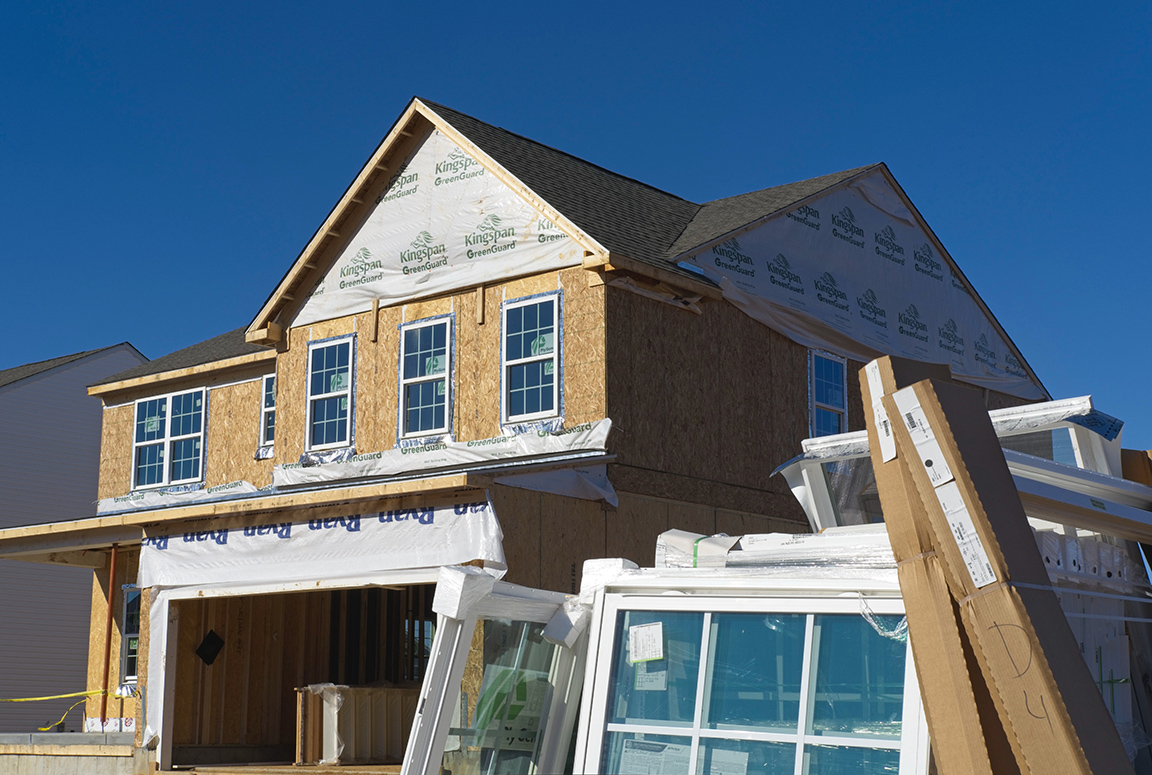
(650, 678)
(728, 762)
(542, 345)
(883, 426)
(151, 424)
(548, 367)
(645, 757)
(338, 382)
(964, 531)
(344, 403)
(434, 365)
(646, 642)
(440, 388)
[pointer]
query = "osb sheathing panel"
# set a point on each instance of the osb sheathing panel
(520, 515)
(116, 452)
(715, 397)
(584, 332)
(127, 565)
(234, 435)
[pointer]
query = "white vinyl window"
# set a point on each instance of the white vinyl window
(168, 442)
(828, 394)
(329, 394)
(531, 358)
(130, 634)
(426, 377)
(743, 685)
(268, 411)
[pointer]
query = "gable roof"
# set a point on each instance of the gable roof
(17, 373)
(218, 348)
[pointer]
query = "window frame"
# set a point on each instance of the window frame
(449, 374)
(813, 405)
(265, 410)
(168, 439)
(125, 591)
(556, 356)
(349, 392)
(912, 743)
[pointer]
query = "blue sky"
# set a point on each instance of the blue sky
(163, 166)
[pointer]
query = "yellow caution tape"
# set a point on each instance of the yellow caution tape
(92, 693)
(61, 721)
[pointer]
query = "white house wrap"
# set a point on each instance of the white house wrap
(444, 222)
(354, 545)
(853, 273)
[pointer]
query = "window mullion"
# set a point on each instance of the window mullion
(703, 688)
(807, 687)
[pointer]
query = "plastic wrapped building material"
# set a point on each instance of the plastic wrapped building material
(353, 724)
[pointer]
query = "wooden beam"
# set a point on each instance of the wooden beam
(615, 262)
(479, 305)
(191, 371)
(375, 319)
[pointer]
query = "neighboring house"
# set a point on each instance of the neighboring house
(491, 352)
(49, 465)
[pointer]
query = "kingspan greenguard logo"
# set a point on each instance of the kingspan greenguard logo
(957, 283)
(911, 325)
(361, 268)
(809, 216)
(424, 254)
(403, 184)
(458, 166)
(886, 245)
(730, 256)
(1013, 366)
(984, 353)
(948, 337)
(871, 310)
(828, 292)
(781, 275)
(844, 227)
(485, 239)
(548, 231)
(926, 262)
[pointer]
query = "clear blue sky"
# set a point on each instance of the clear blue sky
(162, 165)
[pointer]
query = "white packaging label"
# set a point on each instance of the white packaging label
(883, 426)
(650, 679)
(647, 757)
(964, 531)
(646, 642)
(914, 419)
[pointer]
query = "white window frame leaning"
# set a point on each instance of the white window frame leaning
(266, 410)
(813, 404)
(912, 743)
(348, 392)
(447, 375)
(125, 677)
(555, 356)
(168, 439)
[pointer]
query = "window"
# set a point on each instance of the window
(810, 687)
(268, 412)
(130, 634)
(329, 394)
(531, 358)
(167, 447)
(828, 391)
(426, 377)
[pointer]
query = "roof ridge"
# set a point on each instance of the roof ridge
(842, 173)
(437, 106)
(75, 356)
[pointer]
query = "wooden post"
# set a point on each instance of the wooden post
(108, 638)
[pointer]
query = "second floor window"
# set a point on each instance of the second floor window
(329, 394)
(531, 358)
(268, 411)
(168, 443)
(426, 377)
(828, 389)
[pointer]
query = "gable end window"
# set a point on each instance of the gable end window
(531, 358)
(268, 411)
(828, 394)
(330, 393)
(168, 442)
(426, 377)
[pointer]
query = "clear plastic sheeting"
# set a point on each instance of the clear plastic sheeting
(847, 553)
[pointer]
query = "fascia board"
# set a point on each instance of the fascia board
(177, 374)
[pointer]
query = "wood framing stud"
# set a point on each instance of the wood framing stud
(375, 319)
(479, 305)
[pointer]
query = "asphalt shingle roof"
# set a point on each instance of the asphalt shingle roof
(17, 373)
(229, 345)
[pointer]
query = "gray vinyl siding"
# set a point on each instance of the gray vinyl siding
(49, 463)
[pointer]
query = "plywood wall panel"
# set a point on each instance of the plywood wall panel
(572, 531)
(116, 452)
(529, 286)
(234, 435)
(376, 377)
(632, 528)
(519, 513)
